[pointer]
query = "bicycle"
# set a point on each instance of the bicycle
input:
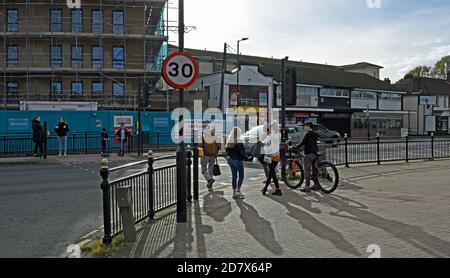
(324, 173)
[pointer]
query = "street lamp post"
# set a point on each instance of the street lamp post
(237, 79)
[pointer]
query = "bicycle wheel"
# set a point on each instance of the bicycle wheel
(327, 177)
(294, 174)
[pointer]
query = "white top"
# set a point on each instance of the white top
(272, 144)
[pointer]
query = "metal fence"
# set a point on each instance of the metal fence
(21, 144)
(378, 150)
(153, 190)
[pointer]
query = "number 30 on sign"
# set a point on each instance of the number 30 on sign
(180, 70)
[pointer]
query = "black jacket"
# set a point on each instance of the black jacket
(62, 129)
(104, 136)
(38, 131)
(127, 134)
(237, 153)
(310, 143)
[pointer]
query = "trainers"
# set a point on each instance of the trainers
(209, 185)
(240, 195)
(59, 154)
(65, 154)
(264, 191)
(305, 189)
(277, 193)
(235, 195)
(315, 187)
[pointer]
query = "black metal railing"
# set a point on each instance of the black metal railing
(386, 149)
(153, 189)
(21, 144)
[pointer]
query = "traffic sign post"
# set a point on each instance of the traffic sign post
(180, 71)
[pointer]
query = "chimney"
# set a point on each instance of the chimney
(387, 81)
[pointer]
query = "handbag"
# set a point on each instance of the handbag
(268, 159)
(256, 150)
(216, 169)
(276, 157)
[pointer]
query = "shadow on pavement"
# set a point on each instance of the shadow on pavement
(216, 206)
(414, 235)
(311, 224)
(258, 227)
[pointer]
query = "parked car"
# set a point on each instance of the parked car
(327, 136)
(251, 137)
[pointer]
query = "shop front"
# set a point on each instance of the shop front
(442, 118)
(340, 122)
(300, 118)
(385, 124)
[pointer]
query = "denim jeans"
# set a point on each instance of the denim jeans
(237, 172)
(62, 143)
(208, 163)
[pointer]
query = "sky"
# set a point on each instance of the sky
(395, 34)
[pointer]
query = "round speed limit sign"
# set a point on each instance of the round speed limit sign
(180, 70)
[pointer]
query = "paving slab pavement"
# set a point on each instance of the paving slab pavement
(400, 208)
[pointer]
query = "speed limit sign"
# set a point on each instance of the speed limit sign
(180, 70)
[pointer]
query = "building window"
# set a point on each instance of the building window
(12, 90)
(118, 22)
(77, 21)
(307, 96)
(77, 56)
(97, 57)
(96, 87)
(118, 89)
(338, 93)
(12, 56)
(56, 56)
(55, 20)
(56, 88)
(118, 57)
(77, 88)
(13, 20)
(391, 97)
(363, 95)
(97, 21)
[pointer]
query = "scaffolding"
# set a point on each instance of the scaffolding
(34, 31)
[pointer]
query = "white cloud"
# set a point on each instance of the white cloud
(398, 36)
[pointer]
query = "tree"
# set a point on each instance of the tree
(420, 71)
(440, 69)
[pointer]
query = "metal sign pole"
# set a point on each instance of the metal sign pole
(181, 151)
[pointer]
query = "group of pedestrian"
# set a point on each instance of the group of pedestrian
(61, 130)
(266, 151)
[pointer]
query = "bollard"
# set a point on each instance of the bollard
(188, 176)
(125, 203)
(104, 173)
(151, 188)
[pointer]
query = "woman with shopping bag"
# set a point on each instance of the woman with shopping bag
(272, 157)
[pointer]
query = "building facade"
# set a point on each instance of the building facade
(50, 52)
(427, 104)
